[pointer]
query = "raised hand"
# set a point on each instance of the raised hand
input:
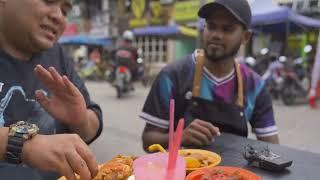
(66, 102)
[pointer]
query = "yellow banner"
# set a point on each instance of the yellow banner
(138, 8)
(188, 31)
(138, 22)
(156, 9)
(186, 10)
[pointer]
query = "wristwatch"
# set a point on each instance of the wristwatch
(18, 134)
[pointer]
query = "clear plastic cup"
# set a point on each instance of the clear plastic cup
(154, 166)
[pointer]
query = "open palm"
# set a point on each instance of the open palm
(66, 103)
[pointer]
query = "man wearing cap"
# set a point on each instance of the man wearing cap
(212, 92)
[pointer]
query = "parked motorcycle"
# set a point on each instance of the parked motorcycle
(293, 88)
(273, 78)
(262, 61)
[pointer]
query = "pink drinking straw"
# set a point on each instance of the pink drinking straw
(171, 123)
(173, 153)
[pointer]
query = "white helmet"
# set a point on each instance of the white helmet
(128, 35)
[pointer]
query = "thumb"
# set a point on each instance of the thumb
(42, 99)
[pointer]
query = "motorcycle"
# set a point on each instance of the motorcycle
(273, 78)
(262, 61)
(122, 82)
(293, 88)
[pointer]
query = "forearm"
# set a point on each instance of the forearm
(271, 139)
(155, 137)
(88, 130)
(3, 141)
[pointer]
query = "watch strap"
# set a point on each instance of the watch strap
(14, 149)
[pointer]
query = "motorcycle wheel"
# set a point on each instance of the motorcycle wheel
(288, 96)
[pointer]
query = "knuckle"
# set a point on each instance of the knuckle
(90, 157)
(75, 136)
(192, 125)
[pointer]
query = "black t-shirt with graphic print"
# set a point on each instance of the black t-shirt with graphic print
(18, 84)
(17, 93)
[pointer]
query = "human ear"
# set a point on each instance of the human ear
(246, 36)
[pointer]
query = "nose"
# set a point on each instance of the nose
(216, 34)
(57, 16)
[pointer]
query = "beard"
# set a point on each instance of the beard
(220, 55)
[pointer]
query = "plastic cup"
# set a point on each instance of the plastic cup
(154, 166)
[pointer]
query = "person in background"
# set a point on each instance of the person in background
(46, 115)
(212, 92)
(315, 77)
(127, 53)
(95, 56)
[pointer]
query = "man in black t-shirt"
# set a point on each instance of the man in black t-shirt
(40, 86)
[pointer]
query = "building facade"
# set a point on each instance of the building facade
(306, 7)
(92, 17)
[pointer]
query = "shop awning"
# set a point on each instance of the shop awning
(85, 40)
(165, 31)
(269, 17)
(157, 31)
(266, 13)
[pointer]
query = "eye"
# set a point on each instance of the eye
(211, 26)
(49, 1)
(228, 28)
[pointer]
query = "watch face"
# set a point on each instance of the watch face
(22, 130)
(26, 129)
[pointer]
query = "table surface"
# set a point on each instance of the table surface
(22, 172)
(306, 165)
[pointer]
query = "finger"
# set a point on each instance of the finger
(89, 158)
(73, 90)
(44, 76)
(213, 129)
(42, 99)
(66, 171)
(78, 165)
(56, 76)
(193, 142)
(199, 136)
(203, 130)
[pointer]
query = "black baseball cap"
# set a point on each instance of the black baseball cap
(239, 8)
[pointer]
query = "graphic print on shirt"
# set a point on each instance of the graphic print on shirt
(36, 114)
(1, 85)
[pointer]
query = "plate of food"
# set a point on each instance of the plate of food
(223, 173)
(120, 168)
(198, 159)
(195, 158)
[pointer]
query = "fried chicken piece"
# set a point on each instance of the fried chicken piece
(118, 168)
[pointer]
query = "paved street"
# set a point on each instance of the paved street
(298, 125)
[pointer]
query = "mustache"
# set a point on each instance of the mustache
(215, 43)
